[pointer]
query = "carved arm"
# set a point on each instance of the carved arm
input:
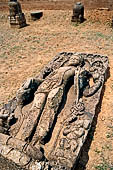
(97, 84)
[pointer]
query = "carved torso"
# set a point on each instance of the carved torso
(53, 111)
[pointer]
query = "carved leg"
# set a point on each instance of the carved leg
(47, 118)
(30, 123)
(26, 92)
(18, 151)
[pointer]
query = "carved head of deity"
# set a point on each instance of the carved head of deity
(76, 60)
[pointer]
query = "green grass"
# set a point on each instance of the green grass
(3, 55)
(109, 135)
(92, 35)
(107, 147)
(110, 130)
(104, 166)
(105, 162)
(19, 56)
(75, 24)
(97, 151)
(99, 34)
(37, 41)
(16, 47)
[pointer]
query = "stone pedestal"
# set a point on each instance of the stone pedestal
(78, 13)
(17, 18)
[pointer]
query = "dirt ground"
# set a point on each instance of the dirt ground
(23, 52)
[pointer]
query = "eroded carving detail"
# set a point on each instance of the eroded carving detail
(17, 18)
(78, 13)
(47, 123)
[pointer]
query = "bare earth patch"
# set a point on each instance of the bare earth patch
(23, 52)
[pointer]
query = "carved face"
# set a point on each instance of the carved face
(75, 60)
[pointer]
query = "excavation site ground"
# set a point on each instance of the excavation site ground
(24, 52)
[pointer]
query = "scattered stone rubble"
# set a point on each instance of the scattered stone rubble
(17, 18)
(45, 126)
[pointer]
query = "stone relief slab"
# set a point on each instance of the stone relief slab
(46, 124)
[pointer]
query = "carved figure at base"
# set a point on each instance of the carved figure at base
(17, 18)
(46, 124)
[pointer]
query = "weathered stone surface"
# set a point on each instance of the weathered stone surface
(78, 13)
(17, 18)
(36, 15)
(112, 23)
(48, 121)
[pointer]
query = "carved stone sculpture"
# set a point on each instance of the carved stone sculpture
(47, 123)
(112, 23)
(17, 18)
(78, 13)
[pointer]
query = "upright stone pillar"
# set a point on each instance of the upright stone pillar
(78, 13)
(17, 18)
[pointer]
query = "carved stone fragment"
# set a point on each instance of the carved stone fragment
(17, 18)
(35, 15)
(78, 13)
(47, 123)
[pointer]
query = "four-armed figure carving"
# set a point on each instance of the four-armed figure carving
(51, 115)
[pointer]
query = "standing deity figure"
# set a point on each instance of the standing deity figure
(47, 123)
(78, 13)
(17, 18)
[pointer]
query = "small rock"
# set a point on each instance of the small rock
(102, 118)
(36, 15)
